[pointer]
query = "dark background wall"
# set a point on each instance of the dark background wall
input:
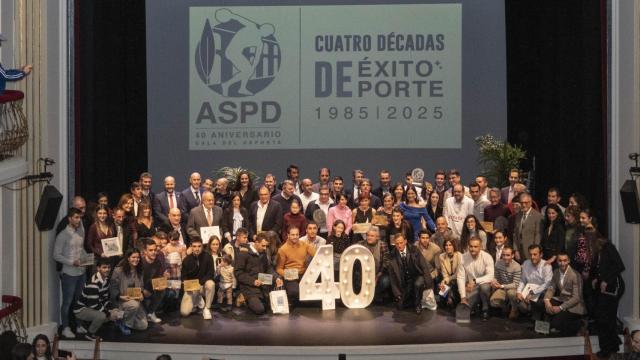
(556, 72)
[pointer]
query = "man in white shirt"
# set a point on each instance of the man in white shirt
(479, 202)
(456, 209)
(307, 194)
(536, 278)
(312, 235)
(474, 276)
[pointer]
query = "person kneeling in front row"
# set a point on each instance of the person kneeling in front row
(198, 266)
(563, 299)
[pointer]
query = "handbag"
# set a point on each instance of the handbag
(279, 301)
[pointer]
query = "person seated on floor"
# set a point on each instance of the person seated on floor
(430, 251)
(128, 276)
(474, 276)
(505, 284)
(248, 266)
(291, 262)
(233, 248)
(198, 265)
(563, 299)
(93, 304)
(410, 274)
(536, 278)
(448, 262)
(154, 266)
(380, 252)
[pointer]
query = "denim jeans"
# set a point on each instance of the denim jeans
(71, 290)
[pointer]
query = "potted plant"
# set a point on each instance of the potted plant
(496, 157)
(231, 174)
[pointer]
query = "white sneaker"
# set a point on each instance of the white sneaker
(153, 318)
(206, 314)
(67, 333)
(81, 330)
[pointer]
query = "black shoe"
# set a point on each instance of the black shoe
(603, 354)
(216, 306)
(89, 336)
(485, 315)
(419, 309)
(225, 308)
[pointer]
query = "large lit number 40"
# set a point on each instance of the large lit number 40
(327, 290)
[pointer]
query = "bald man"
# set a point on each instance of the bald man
(207, 214)
(166, 200)
(193, 194)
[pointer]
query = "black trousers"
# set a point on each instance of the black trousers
(606, 316)
(410, 293)
(567, 323)
(293, 290)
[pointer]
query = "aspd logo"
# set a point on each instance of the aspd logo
(237, 57)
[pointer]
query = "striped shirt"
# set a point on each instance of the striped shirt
(509, 276)
(95, 295)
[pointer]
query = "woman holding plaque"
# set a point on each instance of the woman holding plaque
(448, 267)
(415, 213)
(233, 218)
(100, 229)
(125, 290)
(244, 186)
(363, 214)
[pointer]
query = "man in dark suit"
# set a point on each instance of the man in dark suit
(507, 193)
(323, 204)
(352, 192)
(168, 199)
(364, 191)
(410, 274)
(266, 214)
(385, 184)
(145, 182)
(563, 299)
(202, 216)
(193, 194)
(527, 227)
(286, 196)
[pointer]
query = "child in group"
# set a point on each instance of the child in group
(226, 282)
(174, 253)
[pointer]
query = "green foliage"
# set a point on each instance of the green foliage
(231, 174)
(496, 157)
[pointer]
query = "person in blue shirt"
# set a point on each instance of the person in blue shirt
(414, 212)
(11, 74)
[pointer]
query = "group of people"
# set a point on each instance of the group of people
(475, 245)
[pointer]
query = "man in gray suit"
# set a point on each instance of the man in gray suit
(208, 214)
(528, 227)
(563, 299)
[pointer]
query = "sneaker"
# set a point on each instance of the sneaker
(81, 330)
(206, 314)
(89, 336)
(123, 328)
(67, 333)
(153, 318)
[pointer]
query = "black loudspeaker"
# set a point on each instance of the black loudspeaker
(630, 202)
(50, 202)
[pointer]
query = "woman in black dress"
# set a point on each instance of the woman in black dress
(244, 186)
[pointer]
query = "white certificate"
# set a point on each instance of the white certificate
(207, 231)
(111, 247)
(266, 279)
(291, 274)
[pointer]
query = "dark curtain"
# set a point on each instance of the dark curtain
(555, 68)
(111, 96)
(555, 74)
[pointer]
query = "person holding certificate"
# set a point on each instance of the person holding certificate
(208, 215)
(198, 266)
(125, 290)
(291, 263)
